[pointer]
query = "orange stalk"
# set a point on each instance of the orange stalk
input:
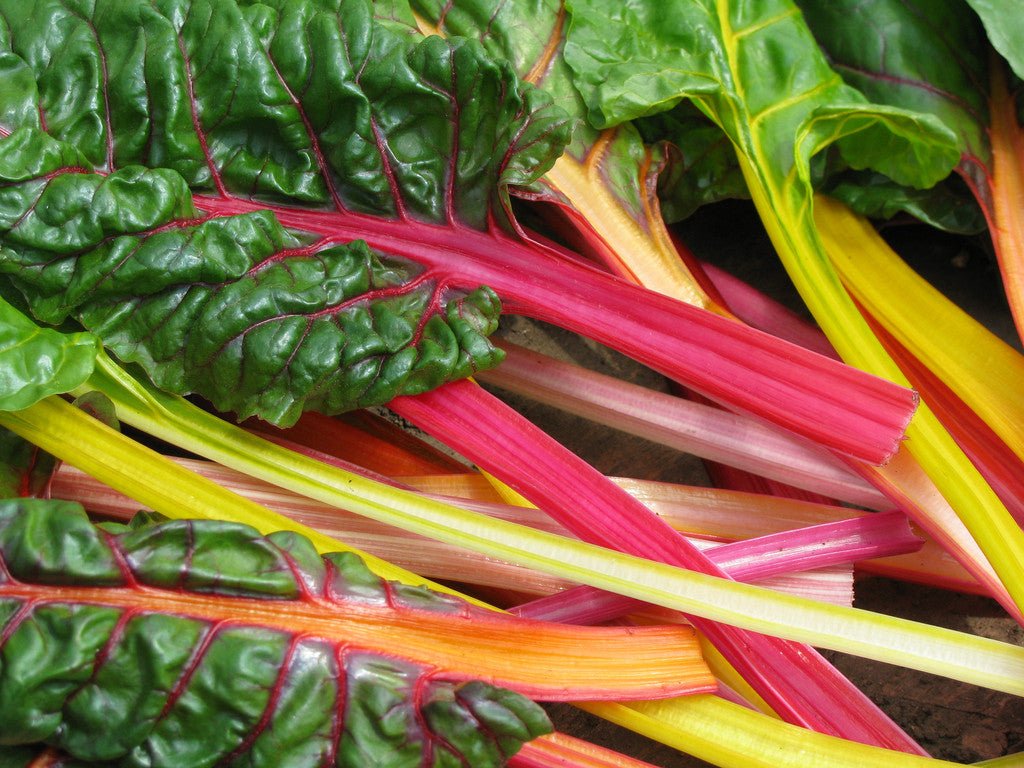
(539, 659)
(1007, 192)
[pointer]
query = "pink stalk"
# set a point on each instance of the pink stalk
(819, 546)
(832, 404)
(424, 556)
(731, 515)
(734, 479)
(793, 678)
(760, 311)
(687, 426)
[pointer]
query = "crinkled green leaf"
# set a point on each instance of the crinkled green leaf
(304, 103)
(286, 324)
(307, 101)
(121, 679)
(927, 56)
(1004, 25)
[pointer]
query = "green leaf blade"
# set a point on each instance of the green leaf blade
(103, 670)
(1005, 30)
(37, 362)
(289, 324)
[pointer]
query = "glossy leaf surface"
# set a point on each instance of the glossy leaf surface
(122, 680)
(237, 308)
(354, 117)
(338, 128)
(37, 362)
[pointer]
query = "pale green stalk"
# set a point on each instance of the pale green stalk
(931, 649)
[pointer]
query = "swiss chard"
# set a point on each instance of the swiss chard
(756, 70)
(190, 643)
(338, 128)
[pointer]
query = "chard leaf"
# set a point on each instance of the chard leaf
(703, 171)
(948, 205)
(314, 104)
(754, 69)
(884, 62)
(304, 101)
(37, 362)
(106, 672)
(287, 324)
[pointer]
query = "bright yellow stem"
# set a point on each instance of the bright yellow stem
(808, 264)
(983, 370)
(730, 735)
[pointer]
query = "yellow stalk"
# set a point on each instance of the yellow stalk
(727, 734)
(983, 370)
(930, 445)
(653, 261)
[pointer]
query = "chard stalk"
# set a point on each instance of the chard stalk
(772, 562)
(982, 369)
(928, 443)
(687, 426)
(50, 423)
(733, 736)
(723, 359)
(1007, 191)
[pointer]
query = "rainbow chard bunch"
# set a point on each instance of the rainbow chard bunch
(226, 224)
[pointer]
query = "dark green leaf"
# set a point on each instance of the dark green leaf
(287, 324)
(307, 103)
(948, 205)
(117, 675)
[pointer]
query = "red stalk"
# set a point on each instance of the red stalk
(793, 678)
(831, 404)
(879, 535)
